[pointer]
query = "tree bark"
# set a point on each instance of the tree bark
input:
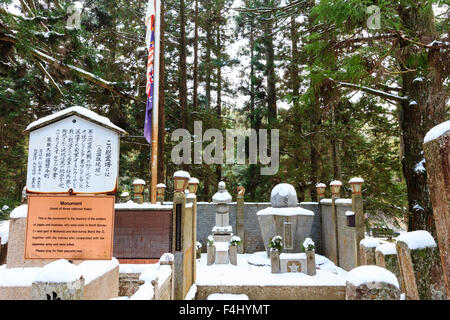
(182, 83)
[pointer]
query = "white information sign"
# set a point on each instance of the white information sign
(73, 153)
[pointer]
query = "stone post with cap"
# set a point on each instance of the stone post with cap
(357, 208)
(335, 194)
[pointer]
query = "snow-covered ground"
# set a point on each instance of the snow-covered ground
(251, 274)
(4, 231)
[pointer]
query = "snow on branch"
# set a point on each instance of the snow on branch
(379, 93)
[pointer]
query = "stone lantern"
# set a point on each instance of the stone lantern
(222, 231)
(181, 180)
(138, 188)
(336, 188)
(193, 185)
(160, 190)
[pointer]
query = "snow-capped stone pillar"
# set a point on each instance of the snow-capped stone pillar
(386, 257)
(367, 248)
(335, 194)
(59, 280)
(437, 154)
(138, 188)
(371, 283)
(420, 266)
(357, 208)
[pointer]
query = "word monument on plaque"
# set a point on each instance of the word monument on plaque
(73, 167)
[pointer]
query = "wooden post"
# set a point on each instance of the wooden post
(437, 155)
(155, 110)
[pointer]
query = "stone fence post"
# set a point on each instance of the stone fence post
(437, 155)
(371, 283)
(240, 219)
(420, 266)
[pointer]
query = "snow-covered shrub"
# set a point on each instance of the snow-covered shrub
(308, 244)
(235, 241)
(199, 245)
(210, 240)
(276, 244)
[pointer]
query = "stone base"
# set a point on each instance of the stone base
(222, 253)
(293, 262)
(57, 291)
(129, 283)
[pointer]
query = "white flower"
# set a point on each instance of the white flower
(308, 244)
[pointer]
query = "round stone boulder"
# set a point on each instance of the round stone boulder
(283, 196)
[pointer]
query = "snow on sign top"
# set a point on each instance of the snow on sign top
(80, 111)
(74, 150)
(417, 239)
(437, 131)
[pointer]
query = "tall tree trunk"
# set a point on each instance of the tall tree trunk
(182, 68)
(195, 94)
(424, 109)
(161, 114)
(219, 87)
(208, 68)
(270, 72)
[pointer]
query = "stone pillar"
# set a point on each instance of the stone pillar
(232, 253)
(57, 290)
(437, 155)
(386, 257)
(210, 254)
(179, 211)
(367, 248)
(335, 191)
(275, 261)
(420, 266)
(240, 219)
(357, 208)
(371, 283)
(310, 262)
(138, 188)
(192, 198)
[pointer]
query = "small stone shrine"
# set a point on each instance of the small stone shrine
(222, 233)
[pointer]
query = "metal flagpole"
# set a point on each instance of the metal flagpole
(155, 110)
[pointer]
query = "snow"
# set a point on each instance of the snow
(161, 185)
(437, 131)
(413, 103)
(417, 239)
(144, 206)
(326, 201)
(294, 211)
(343, 201)
(18, 277)
(222, 197)
(249, 274)
(418, 79)
(356, 180)
(307, 243)
(145, 292)
(387, 249)
(59, 271)
(191, 293)
(321, 185)
(4, 231)
(227, 296)
(292, 256)
(19, 212)
(194, 181)
(138, 182)
(349, 213)
(134, 268)
(370, 242)
(93, 269)
(125, 194)
(336, 183)
(367, 274)
(182, 174)
(284, 189)
(420, 168)
(166, 257)
(78, 110)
